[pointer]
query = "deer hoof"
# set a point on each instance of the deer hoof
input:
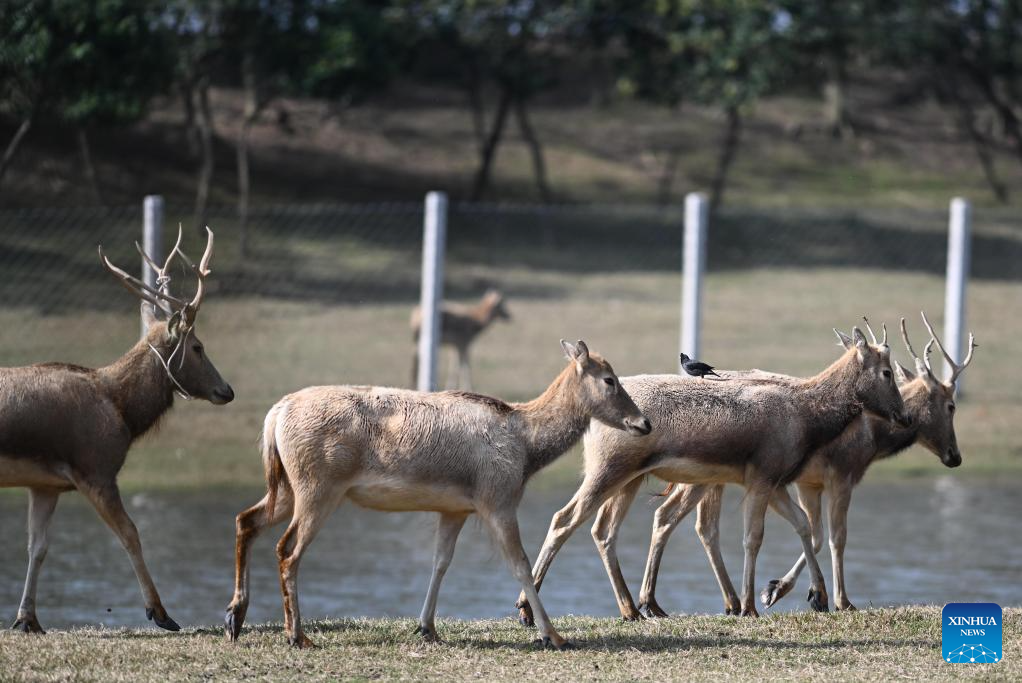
(159, 616)
(847, 607)
(525, 617)
(651, 610)
(233, 621)
(774, 591)
(818, 600)
(750, 612)
(301, 642)
(731, 611)
(428, 634)
(545, 643)
(28, 624)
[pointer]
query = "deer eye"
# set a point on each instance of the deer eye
(197, 349)
(609, 381)
(951, 408)
(887, 374)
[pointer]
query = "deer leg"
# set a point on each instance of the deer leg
(41, 504)
(310, 513)
(504, 527)
(447, 530)
(782, 503)
(840, 498)
(708, 530)
(582, 506)
(756, 499)
(809, 497)
(106, 498)
(249, 525)
(466, 369)
(665, 521)
(605, 529)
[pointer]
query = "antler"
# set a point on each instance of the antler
(875, 342)
(162, 276)
(201, 271)
(921, 365)
(956, 369)
(139, 288)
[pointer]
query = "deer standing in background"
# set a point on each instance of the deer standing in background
(757, 433)
(453, 453)
(460, 324)
(64, 427)
(835, 468)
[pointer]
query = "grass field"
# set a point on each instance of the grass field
(882, 644)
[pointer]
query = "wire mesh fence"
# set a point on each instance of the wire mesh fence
(324, 292)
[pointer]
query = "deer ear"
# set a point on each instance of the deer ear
(569, 349)
(902, 373)
(148, 315)
(175, 326)
(845, 340)
(859, 338)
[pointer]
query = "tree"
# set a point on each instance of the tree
(724, 53)
(65, 60)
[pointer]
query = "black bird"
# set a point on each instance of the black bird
(697, 369)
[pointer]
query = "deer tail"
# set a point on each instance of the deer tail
(273, 466)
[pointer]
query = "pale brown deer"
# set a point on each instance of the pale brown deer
(757, 433)
(454, 453)
(459, 326)
(836, 469)
(64, 427)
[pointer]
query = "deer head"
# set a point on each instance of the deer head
(931, 401)
(601, 394)
(497, 305)
(874, 383)
(170, 325)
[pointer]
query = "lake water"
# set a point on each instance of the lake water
(928, 541)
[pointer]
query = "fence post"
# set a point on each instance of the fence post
(693, 260)
(434, 239)
(958, 257)
(152, 237)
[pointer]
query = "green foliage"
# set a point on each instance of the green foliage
(82, 62)
(722, 52)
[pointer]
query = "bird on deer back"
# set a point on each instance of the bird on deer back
(696, 368)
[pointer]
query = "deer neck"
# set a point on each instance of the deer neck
(138, 386)
(553, 422)
(831, 400)
(891, 439)
(483, 313)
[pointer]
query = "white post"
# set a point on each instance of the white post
(958, 257)
(152, 237)
(434, 239)
(693, 260)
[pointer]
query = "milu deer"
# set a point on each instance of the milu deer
(454, 453)
(836, 469)
(459, 327)
(64, 427)
(757, 433)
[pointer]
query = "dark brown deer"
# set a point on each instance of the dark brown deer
(459, 327)
(451, 452)
(64, 427)
(757, 433)
(835, 469)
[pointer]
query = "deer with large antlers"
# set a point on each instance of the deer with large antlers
(758, 433)
(836, 469)
(65, 427)
(453, 453)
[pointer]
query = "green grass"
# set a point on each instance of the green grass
(882, 644)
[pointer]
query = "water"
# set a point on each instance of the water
(932, 541)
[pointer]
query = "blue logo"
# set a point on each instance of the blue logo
(971, 633)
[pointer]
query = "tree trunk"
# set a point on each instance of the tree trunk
(251, 112)
(90, 170)
(475, 99)
(206, 167)
(967, 117)
(187, 89)
(1009, 119)
(727, 156)
(489, 151)
(666, 184)
(12, 146)
(535, 149)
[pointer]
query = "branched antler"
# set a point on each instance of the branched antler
(956, 369)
